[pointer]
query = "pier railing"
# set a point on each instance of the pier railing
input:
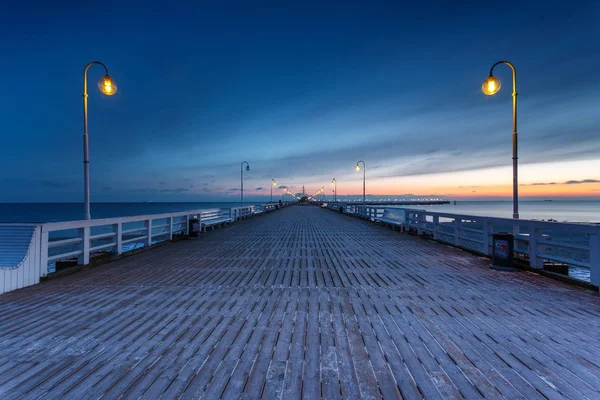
(536, 242)
(79, 242)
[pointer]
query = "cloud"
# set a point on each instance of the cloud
(191, 186)
(259, 188)
(187, 180)
(283, 187)
(572, 182)
(582, 181)
(234, 189)
(162, 182)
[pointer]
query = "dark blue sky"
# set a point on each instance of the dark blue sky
(300, 91)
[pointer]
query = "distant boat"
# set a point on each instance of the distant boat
(547, 200)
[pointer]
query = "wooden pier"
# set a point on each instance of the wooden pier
(300, 303)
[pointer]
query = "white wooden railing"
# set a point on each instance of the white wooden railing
(573, 244)
(19, 256)
(82, 240)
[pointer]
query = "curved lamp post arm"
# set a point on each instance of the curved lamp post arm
(85, 70)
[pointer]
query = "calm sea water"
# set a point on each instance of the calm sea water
(56, 212)
(571, 211)
(562, 211)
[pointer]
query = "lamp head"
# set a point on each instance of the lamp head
(274, 183)
(491, 85)
(107, 85)
(247, 167)
(357, 167)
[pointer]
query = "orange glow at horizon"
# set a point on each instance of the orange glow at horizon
(535, 180)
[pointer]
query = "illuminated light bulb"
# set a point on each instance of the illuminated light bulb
(491, 85)
(107, 85)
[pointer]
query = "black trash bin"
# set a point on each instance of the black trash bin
(502, 251)
(194, 227)
(342, 210)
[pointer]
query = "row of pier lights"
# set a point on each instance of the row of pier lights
(108, 87)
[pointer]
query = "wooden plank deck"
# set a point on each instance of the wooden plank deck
(301, 303)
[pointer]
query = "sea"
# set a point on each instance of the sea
(559, 210)
(59, 212)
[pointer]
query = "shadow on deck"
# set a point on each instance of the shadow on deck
(300, 303)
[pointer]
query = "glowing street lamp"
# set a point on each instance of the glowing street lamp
(273, 183)
(490, 87)
(107, 86)
(242, 180)
(364, 177)
(334, 183)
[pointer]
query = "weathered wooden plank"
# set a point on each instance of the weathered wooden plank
(300, 303)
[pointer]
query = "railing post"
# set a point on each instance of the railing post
(148, 241)
(436, 224)
(457, 223)
(170, 222)
(84, 234)
(186, 226)
(595, 259)
(534, 236)
(118, 230)
(43, 252)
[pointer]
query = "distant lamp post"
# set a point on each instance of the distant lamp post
(242, 180)
(364, 177)
(334, 183)
(273, 183)
(490, 87)
(107, 86)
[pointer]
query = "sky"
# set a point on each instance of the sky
(301, 91)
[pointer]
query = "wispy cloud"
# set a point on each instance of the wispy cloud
(582, 181)
(571, 182)
(283, 187)
(259, 188)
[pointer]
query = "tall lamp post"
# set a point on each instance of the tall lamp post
(273, 183)
(242, 180)
(334, 183)
(490, 87)
(107, 86)
(364, 177)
